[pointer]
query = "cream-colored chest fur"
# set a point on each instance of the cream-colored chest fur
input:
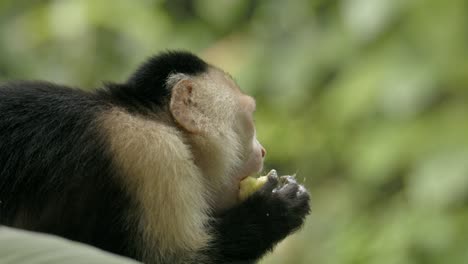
(158, 170)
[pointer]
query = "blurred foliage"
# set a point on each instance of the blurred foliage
(367, 100)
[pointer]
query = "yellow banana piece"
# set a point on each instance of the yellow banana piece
(250, 185)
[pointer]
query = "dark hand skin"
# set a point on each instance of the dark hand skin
(262, 220)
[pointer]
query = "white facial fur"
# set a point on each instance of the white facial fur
(228, 150)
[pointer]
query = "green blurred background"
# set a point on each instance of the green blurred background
(366, 100)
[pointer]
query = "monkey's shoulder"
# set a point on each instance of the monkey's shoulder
(33, 100)
(41, 91)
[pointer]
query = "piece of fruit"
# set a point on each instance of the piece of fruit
(250, 185)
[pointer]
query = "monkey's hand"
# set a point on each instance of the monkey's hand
(252, 228)
(285, 204)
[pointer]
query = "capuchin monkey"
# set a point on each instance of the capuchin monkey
(148, 169)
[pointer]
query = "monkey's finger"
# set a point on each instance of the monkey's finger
(301, 203)
(287, 179)
(270, 185)
(273, 173)
(289, 190)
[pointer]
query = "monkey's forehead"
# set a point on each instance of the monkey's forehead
(220, 75)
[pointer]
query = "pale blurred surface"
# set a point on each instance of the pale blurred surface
(366, 100)
(24, 247)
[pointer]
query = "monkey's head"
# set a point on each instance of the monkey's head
(218, 119)
(214, 115)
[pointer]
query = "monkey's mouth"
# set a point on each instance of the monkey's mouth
(243, 177)
(252, 173)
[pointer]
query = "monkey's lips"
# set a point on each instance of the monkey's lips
(243, 177)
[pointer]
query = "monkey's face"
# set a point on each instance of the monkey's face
(252, 151)
(218, 119)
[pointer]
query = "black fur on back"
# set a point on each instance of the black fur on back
(147, 86)
(56, 172)
(56, 169)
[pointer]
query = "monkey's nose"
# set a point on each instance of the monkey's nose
(263, 152)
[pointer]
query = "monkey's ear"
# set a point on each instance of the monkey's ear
(184, 109)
